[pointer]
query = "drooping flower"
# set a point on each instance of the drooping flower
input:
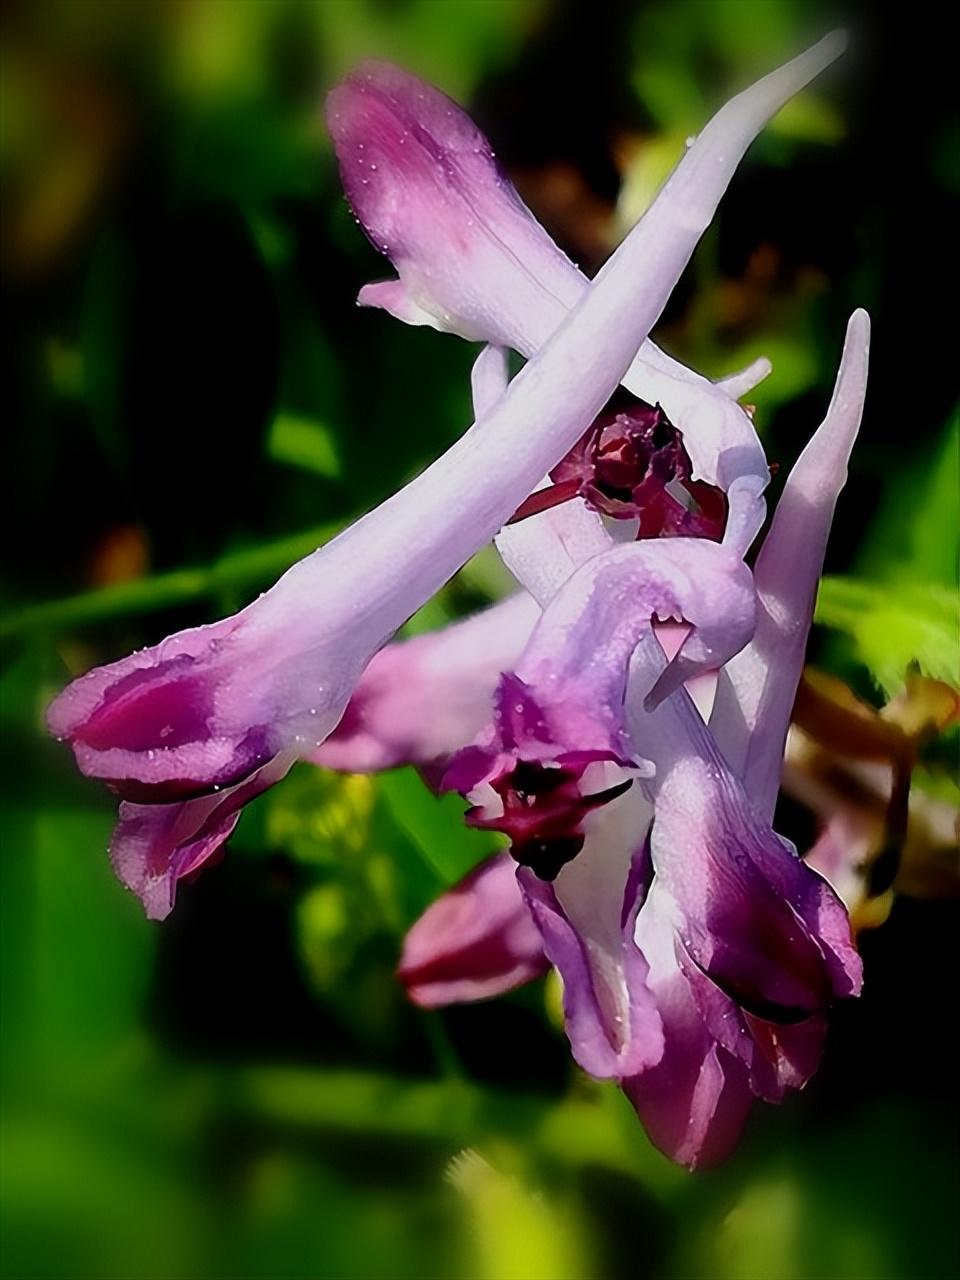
(699, 954)
(190, 729)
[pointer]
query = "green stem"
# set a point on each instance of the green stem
(238, 569)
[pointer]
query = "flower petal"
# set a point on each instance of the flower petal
(764, 927)
(154, 846)
(423, 182)
(694, 1101)
(586, 920)
(757, 690)
(578, 656)
(420, 700)
(284, 671)
(477, 940)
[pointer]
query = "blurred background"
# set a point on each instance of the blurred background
(192, 402)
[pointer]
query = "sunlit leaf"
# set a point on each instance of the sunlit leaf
(895, 625)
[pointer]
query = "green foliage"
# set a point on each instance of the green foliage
(895, 626)
(905, 611)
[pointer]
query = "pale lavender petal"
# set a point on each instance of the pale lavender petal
(489, 379)
(476, 941)
(391, 296)
(421, 700)
(757, 690)
(543, 551)
(579, 653)
(736, 385)
(587, 921)
(284, 668)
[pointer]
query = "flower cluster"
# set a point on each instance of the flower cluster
(622, 719)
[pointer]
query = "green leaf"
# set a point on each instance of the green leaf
(304, 443)
(916, 533)
(434, 825)
(517, 1233)
(895, 625)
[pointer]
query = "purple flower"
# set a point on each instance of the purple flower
(476, 941)
(424, 183)
(631, 464)
(699, 954)
(188, 730)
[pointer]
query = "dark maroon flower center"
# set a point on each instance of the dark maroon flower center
(631, 464)
(543, 808)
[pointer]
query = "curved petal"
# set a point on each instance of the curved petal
(578, 656)
(693, 1102)
(757, 690)
(765, 928)
(477, 940)
(420, 700)
(543, 551)
(154, 846)
(736, 385)
(586, 921)
(283, 669)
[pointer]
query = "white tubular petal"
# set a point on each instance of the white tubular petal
(488, 379)
(758, 686)
(738, 384)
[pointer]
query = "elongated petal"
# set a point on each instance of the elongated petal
(283, 654)
(421, 700)
(758, 688)
(543, 551)
(736, 385)
(476, 941)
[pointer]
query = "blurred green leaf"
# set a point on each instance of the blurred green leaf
(915, 534)
(303, 443)
(894, 625)
(517, 1233)
(435, 825)
(238, 569)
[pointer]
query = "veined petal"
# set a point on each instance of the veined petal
(420, 700)
(761, 924)
(477, 940)
(758, 687)
(694, 1101)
